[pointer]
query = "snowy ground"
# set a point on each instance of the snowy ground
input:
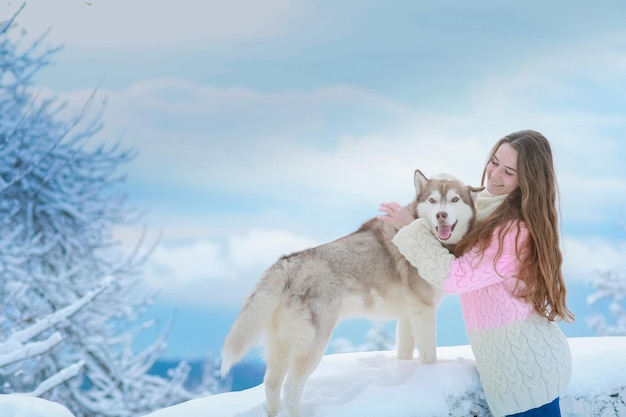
(374, 384)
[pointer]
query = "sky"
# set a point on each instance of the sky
(263, 128)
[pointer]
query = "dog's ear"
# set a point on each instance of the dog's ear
(474, 191)
(420, 180)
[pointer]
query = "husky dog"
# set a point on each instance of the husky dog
(299, 299)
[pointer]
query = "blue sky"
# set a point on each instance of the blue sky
(268, 127)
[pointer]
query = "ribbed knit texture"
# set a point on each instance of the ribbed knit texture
(522, 358)
(420, 247)
(486, 203)
(522, 365)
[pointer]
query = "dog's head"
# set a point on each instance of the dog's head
(448, 205)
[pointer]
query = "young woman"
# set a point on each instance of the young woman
(507, 271)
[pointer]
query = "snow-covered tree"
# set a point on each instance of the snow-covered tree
(378, 337)
(60, 199)
(610, 295)
(20, 345)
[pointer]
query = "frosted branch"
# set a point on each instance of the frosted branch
(58, 378)
(20, 352)
(55, 318)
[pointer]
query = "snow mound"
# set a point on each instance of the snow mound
(16, 405)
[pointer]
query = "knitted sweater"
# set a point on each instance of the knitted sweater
(522, 358)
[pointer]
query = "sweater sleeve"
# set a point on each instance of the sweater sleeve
(420, 247)
(471, 271)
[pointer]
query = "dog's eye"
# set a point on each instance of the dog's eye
(455, 199)
(432, 200)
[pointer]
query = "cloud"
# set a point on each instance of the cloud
(260, 248)
(343, 143)
(585, 258)
(353, 141)
(220, 138)
(215, 273)
(302, 147)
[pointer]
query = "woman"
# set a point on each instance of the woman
(507, 271)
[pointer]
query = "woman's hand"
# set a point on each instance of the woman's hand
(396, 215)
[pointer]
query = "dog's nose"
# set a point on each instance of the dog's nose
(441, 216)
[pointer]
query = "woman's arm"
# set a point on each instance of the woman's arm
(471, 271)
(420, 247)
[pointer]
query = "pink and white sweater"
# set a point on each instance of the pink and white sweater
(522, 358)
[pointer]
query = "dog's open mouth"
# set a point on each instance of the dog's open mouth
(444, 231)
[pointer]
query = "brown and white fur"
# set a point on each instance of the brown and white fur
(299, 299)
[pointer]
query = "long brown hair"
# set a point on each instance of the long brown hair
(534, 202)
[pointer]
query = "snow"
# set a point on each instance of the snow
(376, 383)
(17, 405)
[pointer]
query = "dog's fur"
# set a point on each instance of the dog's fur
(300, 298)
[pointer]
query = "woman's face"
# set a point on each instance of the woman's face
(502, 171)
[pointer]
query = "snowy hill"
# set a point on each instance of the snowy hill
(373, 384)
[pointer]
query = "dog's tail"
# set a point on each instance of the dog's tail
(255, 316)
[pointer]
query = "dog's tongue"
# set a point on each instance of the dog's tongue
(444, 231)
